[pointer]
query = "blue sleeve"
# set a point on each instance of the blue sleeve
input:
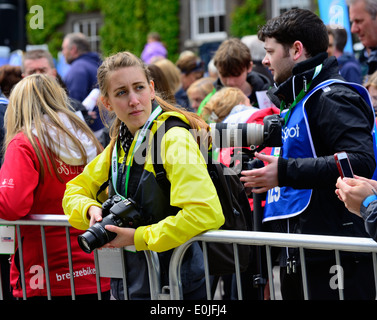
(369, 215)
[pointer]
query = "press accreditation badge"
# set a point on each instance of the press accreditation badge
(7, 239)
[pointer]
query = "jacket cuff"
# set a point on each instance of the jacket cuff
(282, 171)
(139, 239)
(364, 206)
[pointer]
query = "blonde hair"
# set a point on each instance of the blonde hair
(125, 60)
(32, 98)
(171, 72)
(203, 85)
(372, 81)
(222, 103)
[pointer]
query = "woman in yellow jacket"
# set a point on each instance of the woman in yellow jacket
(194, 207)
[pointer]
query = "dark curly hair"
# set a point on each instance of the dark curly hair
(297, 25)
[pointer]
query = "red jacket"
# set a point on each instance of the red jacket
(23, 192)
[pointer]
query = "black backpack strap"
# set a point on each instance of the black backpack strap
(156, 150)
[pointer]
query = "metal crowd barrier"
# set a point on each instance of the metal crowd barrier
(110, 262)
(268, 240)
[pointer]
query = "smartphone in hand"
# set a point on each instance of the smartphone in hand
(344, 165)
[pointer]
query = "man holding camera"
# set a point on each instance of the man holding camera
(323, 116)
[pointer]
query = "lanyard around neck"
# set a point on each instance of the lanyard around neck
(299, 96)
(140, 136)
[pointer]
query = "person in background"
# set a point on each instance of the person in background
(42, 62)
(81, 78)
(257, 52)
(198, 90)
(363, 14)
(172, 74)
(349, 66)
(9, 76)
(330, 47)
(234, 65)
(192, 69)
(360, 197)
(161, 84)
(212, 71)
(46, 145)
(321, 116)
(371, 86)
(128, 91)
(154, 49)
(223, 102)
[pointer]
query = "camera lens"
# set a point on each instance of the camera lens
(84, 244)
(95, 237)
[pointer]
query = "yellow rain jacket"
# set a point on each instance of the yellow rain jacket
(192, 190)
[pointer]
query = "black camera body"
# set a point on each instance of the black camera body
(117, 212)
(272, 127)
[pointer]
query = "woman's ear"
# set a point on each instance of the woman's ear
(105, 102)
(153, 92)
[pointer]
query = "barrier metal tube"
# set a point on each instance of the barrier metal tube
(154, 273)
(267, 239)
(42, 221)
(45, 260)
(62, 221)
(70, 264)
(21, 256)
(319, 242)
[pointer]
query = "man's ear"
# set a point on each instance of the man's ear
(298, 51)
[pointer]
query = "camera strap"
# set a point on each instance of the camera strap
(140, 136)
(300, 95)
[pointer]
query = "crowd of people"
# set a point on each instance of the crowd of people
(62, 157)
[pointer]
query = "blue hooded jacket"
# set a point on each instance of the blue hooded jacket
(350, 68)
(82, 78)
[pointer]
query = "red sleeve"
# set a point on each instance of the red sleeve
(19, 176)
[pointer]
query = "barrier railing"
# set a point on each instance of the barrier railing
(102, 269)
(42, 221)
(267, 239)
(113, 265)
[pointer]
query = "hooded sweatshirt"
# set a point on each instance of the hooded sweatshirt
(350, 68)
(81, 79)
(23, 191)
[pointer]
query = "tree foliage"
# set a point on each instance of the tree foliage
(247, 18)
(126, 23)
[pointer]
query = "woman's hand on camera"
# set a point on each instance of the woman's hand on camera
(125, 237)
(95, 214)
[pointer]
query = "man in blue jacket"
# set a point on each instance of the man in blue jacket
(81, 78)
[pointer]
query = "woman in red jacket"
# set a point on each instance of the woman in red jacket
(46, 145)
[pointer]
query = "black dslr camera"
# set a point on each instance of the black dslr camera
(116, 211)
